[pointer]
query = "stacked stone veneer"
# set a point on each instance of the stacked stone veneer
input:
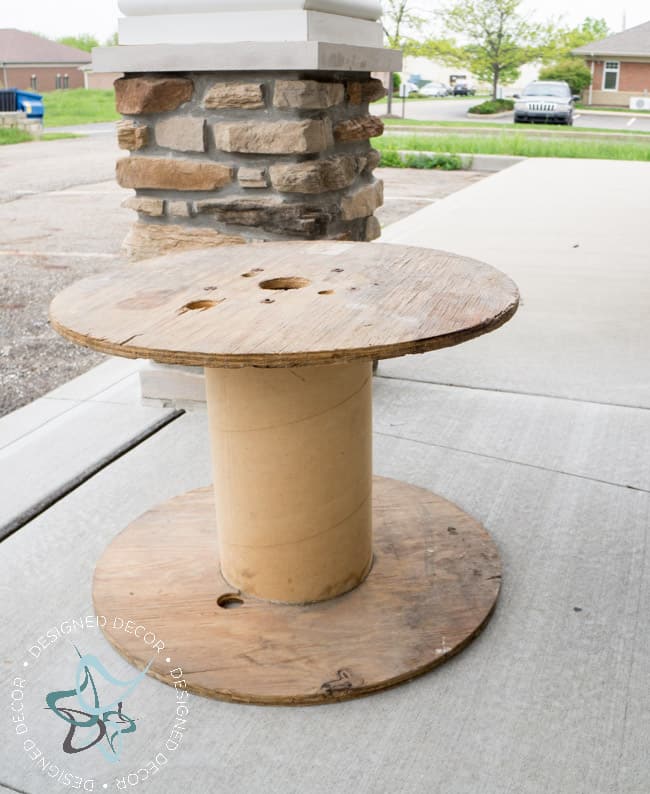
(223, 158)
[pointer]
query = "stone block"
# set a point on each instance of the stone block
(181, 133)
(146, 240)
(166, 173)
(315, 176)
(373, 229)
(271, 213)
(136, 95)
(252, 178)
(154, 207)
(359, 129)
(225, 96)
(363, 201)
(307, 94)
(368, 91)
(274, 137)
(132, 136)
(181, 209)
(373, 158)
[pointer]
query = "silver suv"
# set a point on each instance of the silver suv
(545, 101)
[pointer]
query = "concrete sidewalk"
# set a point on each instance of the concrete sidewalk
(540, 430)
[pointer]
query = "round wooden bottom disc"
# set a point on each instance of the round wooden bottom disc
(433, 586)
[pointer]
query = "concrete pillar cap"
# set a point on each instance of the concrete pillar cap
(359, 9)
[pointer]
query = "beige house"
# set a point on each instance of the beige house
(620, 67)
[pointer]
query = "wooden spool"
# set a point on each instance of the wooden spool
(343, 588)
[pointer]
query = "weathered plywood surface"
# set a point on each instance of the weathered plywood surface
(524, 707)
(583, 327)
(286, 304)
(433, 585)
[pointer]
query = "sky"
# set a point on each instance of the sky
(99, 17)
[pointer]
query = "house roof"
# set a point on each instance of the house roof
(634, 42)
(16, 47)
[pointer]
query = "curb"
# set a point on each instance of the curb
(573, 133)
(501, 115)
(491, 163)
(623, 114)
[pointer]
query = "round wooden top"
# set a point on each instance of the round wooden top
(286, 304)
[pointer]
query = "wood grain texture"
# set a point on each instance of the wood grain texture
(355, 301)
(434, 584)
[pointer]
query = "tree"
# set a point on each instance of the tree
(112, 41)
(499, 39)
(84, 41)
(401, 25)
(573, 70)
(559, 48)
(561, 41)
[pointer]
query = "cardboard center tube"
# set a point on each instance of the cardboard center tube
(292, 459)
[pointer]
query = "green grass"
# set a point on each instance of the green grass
(492, 106)
(78, 106)
(518, 145)
(8, 136)
(523, 128)
(582, 106)
(441, 162)
(58, 136)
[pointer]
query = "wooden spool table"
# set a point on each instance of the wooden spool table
(345, 584)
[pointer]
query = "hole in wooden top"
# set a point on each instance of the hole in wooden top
(198, 306)
(230, 601)
(326, 292)
(285, 283)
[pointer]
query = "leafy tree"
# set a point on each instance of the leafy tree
(113, 40)
(558, 49)
(562, 41)
(401, 25)
(401, 28)
(573, 70)
(500, 39)
(84, 41)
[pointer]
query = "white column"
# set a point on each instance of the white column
(352, 22)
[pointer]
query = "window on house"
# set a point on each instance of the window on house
(610, 75)
(33, 82)
(66, 81)
(58, 82)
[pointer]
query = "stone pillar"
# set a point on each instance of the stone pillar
(259, 132)
(232, 157)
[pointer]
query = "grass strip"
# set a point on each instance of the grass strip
(517, 145)
(79, 106)
(11, 135)
(493, 125)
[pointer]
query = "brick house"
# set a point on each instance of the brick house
(33, 63)
(620, 65)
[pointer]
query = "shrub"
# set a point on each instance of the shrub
(493, 106)
(397, 82)
(443, 162)
(574, 71)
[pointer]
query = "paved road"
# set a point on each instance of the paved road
(456, 110)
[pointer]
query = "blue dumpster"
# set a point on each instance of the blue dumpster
(31, 104)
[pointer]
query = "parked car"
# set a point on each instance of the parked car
(462, 88)
(435, 89)
(546, 101)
